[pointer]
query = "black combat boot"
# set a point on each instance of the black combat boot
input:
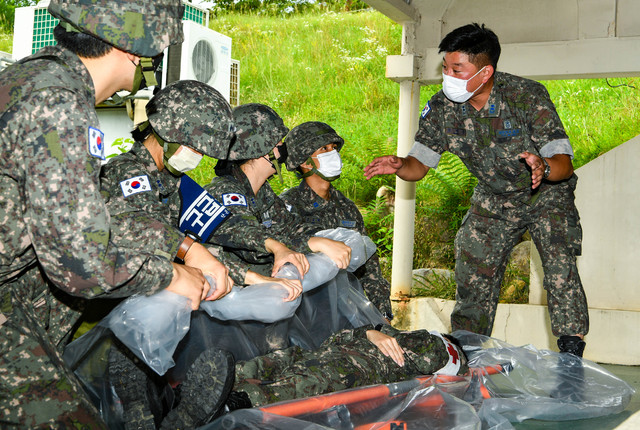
(570, 370)
(204, 391)
(237, 400)
(132, 385)
(572, 345)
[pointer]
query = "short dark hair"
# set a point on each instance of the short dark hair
(225, 167)
(82, 44)
(478, 42)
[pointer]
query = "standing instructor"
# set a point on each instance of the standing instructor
(507, 132)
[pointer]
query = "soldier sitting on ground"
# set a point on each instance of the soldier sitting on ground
(313, 154)
(261, 231)
(185, 120)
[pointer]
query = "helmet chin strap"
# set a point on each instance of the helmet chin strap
(145, 76)
(314, 171)
(278, 171)
(326, 178)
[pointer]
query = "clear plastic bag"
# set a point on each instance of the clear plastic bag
(321, 269)
(362, 247)
(151, 326)
(259, 302)
(506, 384)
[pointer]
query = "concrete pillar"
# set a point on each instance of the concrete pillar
(403, 225)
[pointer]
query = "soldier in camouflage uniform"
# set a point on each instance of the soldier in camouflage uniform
(140, 187)
(348, 359)
(55, 248)
(186, 119)
(261, 231)
(507, 132)
(318, 202)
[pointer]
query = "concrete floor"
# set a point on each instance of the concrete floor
(630, 374)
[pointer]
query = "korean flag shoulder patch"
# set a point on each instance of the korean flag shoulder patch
(234, 199)
(135, 185)
(426, 110)
(96, 143)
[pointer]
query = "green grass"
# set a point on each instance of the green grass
(6, 43)
(331, 71)
(330, 67)
(597, 115)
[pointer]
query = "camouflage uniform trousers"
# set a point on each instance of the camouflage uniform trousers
(37, 390)
(483, 246)
(345, 360)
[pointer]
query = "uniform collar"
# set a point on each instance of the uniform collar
(491, 108)
(73, 61)
(238, 175)
(144, 155)
(314, 199)
(167, 183)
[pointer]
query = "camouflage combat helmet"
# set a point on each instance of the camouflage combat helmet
(144, 27)
(258, 130)
(305, 139)
(193, 114)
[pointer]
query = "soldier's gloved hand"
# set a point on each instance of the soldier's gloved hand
(198, 256)
(188, 282)
(388, 345)
(337, 251)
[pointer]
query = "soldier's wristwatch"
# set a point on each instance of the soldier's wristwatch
(184, 247)
(547, 169)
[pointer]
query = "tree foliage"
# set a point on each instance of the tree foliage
(286, 7)
(7, 12)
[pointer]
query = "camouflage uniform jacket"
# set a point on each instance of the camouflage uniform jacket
(518, 116)
(339, 211)
(255, 218)
(137, 196)
(345, 360)
(50, 201)
(148, 219)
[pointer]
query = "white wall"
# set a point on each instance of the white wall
(608, 199)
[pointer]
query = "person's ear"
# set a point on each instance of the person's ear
(133, 58)
(487, 73)
(306, 165)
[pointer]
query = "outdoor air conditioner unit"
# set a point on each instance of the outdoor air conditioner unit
(205, 55)
(234, 99)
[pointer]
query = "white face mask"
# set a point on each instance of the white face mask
(456, 89)
(185, 159)
(329, 165)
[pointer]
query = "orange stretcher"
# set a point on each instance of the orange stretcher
(371, 397)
